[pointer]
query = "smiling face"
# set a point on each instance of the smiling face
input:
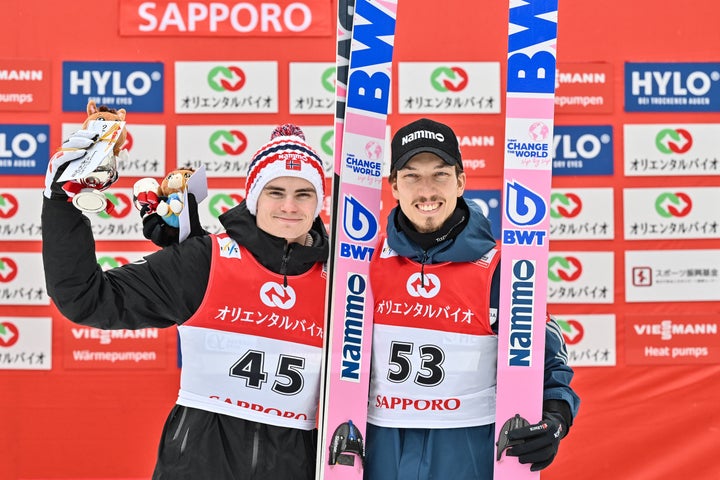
(286, 208)
(427, 189)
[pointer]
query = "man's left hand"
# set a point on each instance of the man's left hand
(538, 443)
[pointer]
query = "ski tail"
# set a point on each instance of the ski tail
(364, 67)
(525, 225)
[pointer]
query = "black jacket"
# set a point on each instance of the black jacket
(165, 289)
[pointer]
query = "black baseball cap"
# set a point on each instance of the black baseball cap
(424, 135)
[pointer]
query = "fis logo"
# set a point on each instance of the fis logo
(359, 224)
(523, 208)
(137, 86)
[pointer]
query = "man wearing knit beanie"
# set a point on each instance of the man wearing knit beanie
(249, 307)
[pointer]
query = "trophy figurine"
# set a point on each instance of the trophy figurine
(88, 176)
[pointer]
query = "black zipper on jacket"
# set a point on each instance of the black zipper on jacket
(422, 268)
(255, 448)
(284, 264)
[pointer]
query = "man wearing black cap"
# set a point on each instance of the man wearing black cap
(435, 282)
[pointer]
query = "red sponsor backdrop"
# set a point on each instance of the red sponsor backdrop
(657, 420)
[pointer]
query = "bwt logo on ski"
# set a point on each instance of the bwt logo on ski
(360, 225)
(521, 313)
(132, 85)
(523, 208)
(354, 319)
(671, 141)
(230, 79)
(228, 142)
(24, 149)
(533, 33)
(449, 79)
(586, 150)
(672, 87)
(371, 92)
(673, 205)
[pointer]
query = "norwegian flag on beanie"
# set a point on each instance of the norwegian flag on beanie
(285, 155)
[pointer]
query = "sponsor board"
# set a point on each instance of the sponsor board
(226, 87)
(672, 339)
(676, 213)
(672, 87)
(590, 339)
(450, 87)
(25, 343)
(584, 88)
(672, 276)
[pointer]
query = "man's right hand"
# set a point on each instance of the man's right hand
(73, 148)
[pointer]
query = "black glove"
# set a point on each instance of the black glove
(161, 234)
(539, 443)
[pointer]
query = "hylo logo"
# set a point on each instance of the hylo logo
(275, 295)
(223, 79)
(673, 141)
(670, 205)
(565, 205)
(8, 205)
(228, 142)
(449, 79)
(564, 269)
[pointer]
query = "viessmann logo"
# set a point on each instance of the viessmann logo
(666, 329)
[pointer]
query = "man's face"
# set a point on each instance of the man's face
(285, 208)
(427, 189)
